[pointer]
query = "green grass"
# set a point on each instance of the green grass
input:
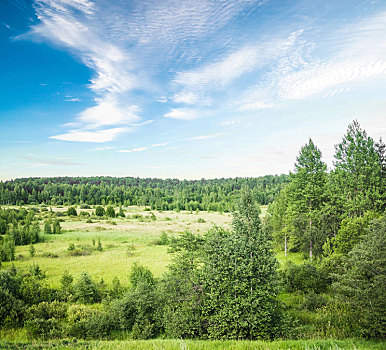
(116, 240)
(158, 344)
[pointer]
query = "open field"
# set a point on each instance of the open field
(124, 240)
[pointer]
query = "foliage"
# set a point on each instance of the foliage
(306, 277)
(239, 276)
(169, 194)
(85, 290)
(71, 211)
(110, 212)
(362, 284)
(99, 211)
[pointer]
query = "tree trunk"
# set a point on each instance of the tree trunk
(311, 240)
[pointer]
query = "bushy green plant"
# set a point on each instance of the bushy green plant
(71, 211)
(85, 290)
(305, 278)
(110, 212)
(99, 211)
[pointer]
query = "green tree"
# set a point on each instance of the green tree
(121, 213)
(56, 228)
(358, 182)
(71, 211)
(47, 227)
(110, 212)
(32, 250)
(239, 277)
(85, 290)
(99, 211)
(307, 193)
(362, 285)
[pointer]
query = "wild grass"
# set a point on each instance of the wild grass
(124, 241)
(127, 241)
(158, 344)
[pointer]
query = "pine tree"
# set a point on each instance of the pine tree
(306, 193)
(358, 182)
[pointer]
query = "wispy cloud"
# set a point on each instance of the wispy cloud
(117, 41)
(254, 106)
(182, 114)
(138, 149)
(40, 162)
(90, 136)
(359, 54)
(204, 137)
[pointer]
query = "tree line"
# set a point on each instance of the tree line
(169, 194)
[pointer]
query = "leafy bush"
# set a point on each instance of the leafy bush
(71, 211)
(84, 214)
(46, 310)
(85, 290)
(11, 309)
(163, 239)
(314, 301)
(39, 327)
(305, 278)
(201, 220)
(99, 211)
(110, 212)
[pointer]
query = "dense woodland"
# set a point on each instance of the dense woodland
(225, 284)
(169, 194)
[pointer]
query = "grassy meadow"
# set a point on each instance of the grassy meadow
(124, 240)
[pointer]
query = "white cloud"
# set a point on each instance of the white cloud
(186, 97)
(198, 83)
(117, 41)
(106, 148)
(204, 137)
(320, 77)
(254, 106)
(162, 99)
(159, 145)
(139, 149)
(228, 122)
(182, 114)
(357, 53)
(90, 136)
(109, 112)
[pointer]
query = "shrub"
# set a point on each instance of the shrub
(99, 211)
(85, 290)
(71, 211)
(110, 212)
(47, 227)
(305, 278)
(163, 239)
(201, 220)
(40, 327)
(46, 310)
(84, 214)
(11, 309)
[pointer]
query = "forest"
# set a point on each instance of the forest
(311, 266)
(169, 194)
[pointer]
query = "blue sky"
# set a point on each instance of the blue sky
(184, 89)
